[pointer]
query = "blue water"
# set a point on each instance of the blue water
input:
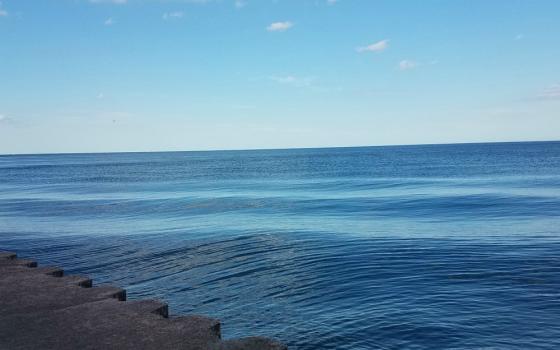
(411, 247)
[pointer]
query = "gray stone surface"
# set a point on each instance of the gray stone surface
(40, 308)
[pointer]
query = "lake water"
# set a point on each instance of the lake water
(408, 247)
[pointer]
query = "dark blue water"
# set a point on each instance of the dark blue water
(417, 247)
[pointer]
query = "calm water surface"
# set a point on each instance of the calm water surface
(412, 247)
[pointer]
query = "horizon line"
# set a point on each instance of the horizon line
(279, 149)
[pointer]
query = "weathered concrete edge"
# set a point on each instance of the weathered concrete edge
(248, 343)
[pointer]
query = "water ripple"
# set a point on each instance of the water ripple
(425, 247)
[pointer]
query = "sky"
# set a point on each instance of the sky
(171, 75)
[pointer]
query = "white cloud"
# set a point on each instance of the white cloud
(279, 26)
(243, 107)
(331, 2)
(109, 21)
(551, 92)
(240, 3)
(3, 13)
(288, 79)
(292, 80)
(118, 2)
(379, 46)
(173, 15)
(5, 119)
(407, 64)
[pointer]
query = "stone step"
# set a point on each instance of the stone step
(40, 308)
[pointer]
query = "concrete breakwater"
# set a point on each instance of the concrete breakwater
(41, 308)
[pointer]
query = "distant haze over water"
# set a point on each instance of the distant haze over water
(400, 247)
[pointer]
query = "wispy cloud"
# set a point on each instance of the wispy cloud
(194, 2)
(288, 79)
(292, 80)
(109, 21)
(331, 2)
(240, 3)
(519, 37)
(279, 26)
(551, 93)
(173, 15)
(379, 46)
(118, 2)
(5, 119)
(243, 107)
(3, 13)
(407, 64)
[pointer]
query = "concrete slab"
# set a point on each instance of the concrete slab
(40, 308)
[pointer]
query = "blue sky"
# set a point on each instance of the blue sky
(141, 75)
